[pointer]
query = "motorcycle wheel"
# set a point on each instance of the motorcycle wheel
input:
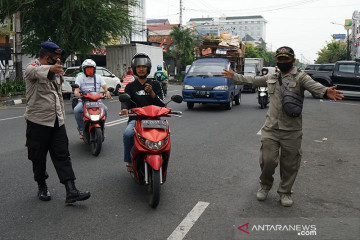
(96, 141)
(262, 103)
(154, 187)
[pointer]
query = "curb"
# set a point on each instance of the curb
(14, 101)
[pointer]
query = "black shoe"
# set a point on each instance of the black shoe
(73, 194)
(43, 193)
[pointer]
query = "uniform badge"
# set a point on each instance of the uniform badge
(287, 82)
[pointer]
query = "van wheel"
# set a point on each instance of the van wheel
(237, 99)
(190, 105)
(229, 104)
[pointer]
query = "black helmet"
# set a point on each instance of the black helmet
(141, 59)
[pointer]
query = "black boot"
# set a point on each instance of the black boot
(43, 193)
(73, 195)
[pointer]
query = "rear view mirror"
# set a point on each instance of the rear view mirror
(74, 86)
(124, 97)
(177, 98)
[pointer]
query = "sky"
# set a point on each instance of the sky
(305, 25)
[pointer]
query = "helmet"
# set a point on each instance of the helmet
(141, 59)
(88, 63)
(159, 67)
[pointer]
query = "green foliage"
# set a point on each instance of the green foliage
(75, 25)
(14, 86)
(334, 51)
(184, 46)
(251, 52)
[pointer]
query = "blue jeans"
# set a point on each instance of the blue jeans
(128, 139)
(78, 112)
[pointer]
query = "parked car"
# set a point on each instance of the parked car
(71, 73)
(345, 74)
(327, 68)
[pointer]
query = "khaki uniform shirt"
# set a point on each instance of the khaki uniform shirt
(296, 81)
(43, 95)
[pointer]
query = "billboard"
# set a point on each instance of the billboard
(348, 24)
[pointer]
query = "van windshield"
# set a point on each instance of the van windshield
(206, 69)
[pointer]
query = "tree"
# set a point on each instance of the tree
(184, 46)
(334, 51)
(251, 51)
(75, 25)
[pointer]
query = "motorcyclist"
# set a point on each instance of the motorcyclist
(143, 92)
(161, 76)
(88, 81)
(264, 71)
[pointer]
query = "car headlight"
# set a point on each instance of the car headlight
(224, 87)
(152, 145)
(188, 87)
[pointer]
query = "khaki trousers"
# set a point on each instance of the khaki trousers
(284, 146)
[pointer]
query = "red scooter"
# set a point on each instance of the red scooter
(94, 119)
(151, 152)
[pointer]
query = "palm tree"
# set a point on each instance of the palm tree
(184, 46)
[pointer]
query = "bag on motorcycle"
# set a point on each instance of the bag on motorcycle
(291, 102)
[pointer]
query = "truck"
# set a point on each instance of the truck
(203, 82)
(118, 57)
(252, 67)
(345, 74)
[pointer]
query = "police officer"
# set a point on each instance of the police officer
(45, 130)
(281, 131)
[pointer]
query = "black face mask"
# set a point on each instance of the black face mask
(54, 61)
(284, 67)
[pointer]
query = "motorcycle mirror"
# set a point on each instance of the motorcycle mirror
(124, 97)
(110, 89)
(177, 98)
(74, 86)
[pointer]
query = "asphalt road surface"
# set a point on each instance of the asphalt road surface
(210, 192)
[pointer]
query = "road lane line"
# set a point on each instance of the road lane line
(11, 118)
(116, 122)
(185, 226)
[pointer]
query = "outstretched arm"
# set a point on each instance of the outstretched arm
(334, 94)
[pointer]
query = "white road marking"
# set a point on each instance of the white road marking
(11, 118)
(116, 122)
(185, 226)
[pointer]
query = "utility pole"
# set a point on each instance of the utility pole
(18, 56)
(181, 8)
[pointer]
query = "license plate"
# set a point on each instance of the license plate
(93, 104)
(203, 93)
(154, 124)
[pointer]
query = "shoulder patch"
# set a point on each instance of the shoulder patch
(34, 64)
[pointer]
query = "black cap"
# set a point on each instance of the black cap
(285, 52)
(53, 48)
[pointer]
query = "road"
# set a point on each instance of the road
(212, 178)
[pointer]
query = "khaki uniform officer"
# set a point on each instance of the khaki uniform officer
(45, 129)
(281, 131)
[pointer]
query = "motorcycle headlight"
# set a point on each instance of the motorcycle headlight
(224, 87)
(262, 88)
(153, 145)
(188, 87)
(95, 117)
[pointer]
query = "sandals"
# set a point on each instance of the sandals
(129, 167)
(81, 136)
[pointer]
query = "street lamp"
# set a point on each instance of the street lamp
(348, 43)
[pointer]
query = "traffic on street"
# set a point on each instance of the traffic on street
(211, 183)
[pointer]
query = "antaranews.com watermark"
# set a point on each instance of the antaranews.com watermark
(297, 228)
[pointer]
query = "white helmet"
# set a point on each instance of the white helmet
(88, 63)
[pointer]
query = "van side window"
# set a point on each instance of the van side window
(347, 68)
